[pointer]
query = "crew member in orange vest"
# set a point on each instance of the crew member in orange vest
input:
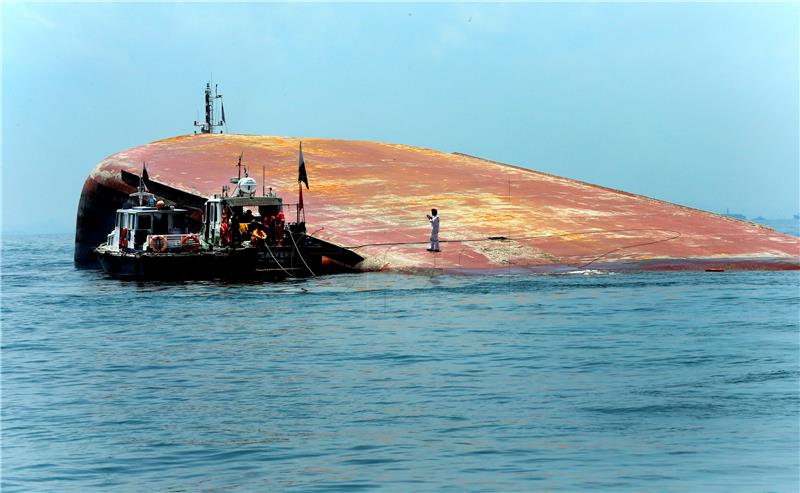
(258, 235)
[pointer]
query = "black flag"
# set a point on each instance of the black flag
(145, 177)
(302, 176)
(223, 112)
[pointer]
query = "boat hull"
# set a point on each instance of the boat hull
(273, 263)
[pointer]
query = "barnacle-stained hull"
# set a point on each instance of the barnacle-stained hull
(372, 198)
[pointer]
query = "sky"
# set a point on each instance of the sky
(695, 104)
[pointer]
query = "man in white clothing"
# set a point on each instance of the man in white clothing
(433, 217)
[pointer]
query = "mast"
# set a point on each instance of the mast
(208, 126)
(140, 192)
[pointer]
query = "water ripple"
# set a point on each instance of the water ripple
(576, 382)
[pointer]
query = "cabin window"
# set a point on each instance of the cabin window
(211, 219)
(119, 219)
(144, 222)
(178, 221)
(160, 224)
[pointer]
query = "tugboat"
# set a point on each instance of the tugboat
(243, 235)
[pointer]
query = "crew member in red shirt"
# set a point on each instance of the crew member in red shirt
(280, 223)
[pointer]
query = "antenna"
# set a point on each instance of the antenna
(140, 191)
(263, 180)
(208, 126)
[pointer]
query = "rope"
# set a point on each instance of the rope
(291, 235)
(503, 238)
(675, 234)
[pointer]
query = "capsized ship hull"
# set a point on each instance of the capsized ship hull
(372, 198)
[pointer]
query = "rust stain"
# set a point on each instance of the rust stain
(373, 197)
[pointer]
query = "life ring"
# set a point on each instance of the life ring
(158, 244)
(195, 243)
(123, 239)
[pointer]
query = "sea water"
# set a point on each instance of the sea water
(382, 382)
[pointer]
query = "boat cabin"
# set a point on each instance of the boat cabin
(236, 210)
(134, 226)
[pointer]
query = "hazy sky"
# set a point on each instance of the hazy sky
(691, 103)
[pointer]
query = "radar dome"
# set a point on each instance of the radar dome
(248, 185)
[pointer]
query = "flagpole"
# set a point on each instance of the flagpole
(300, 204)
(301, 178)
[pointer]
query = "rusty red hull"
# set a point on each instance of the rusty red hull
(373, 197)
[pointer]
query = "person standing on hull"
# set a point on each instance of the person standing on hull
(433, 217)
